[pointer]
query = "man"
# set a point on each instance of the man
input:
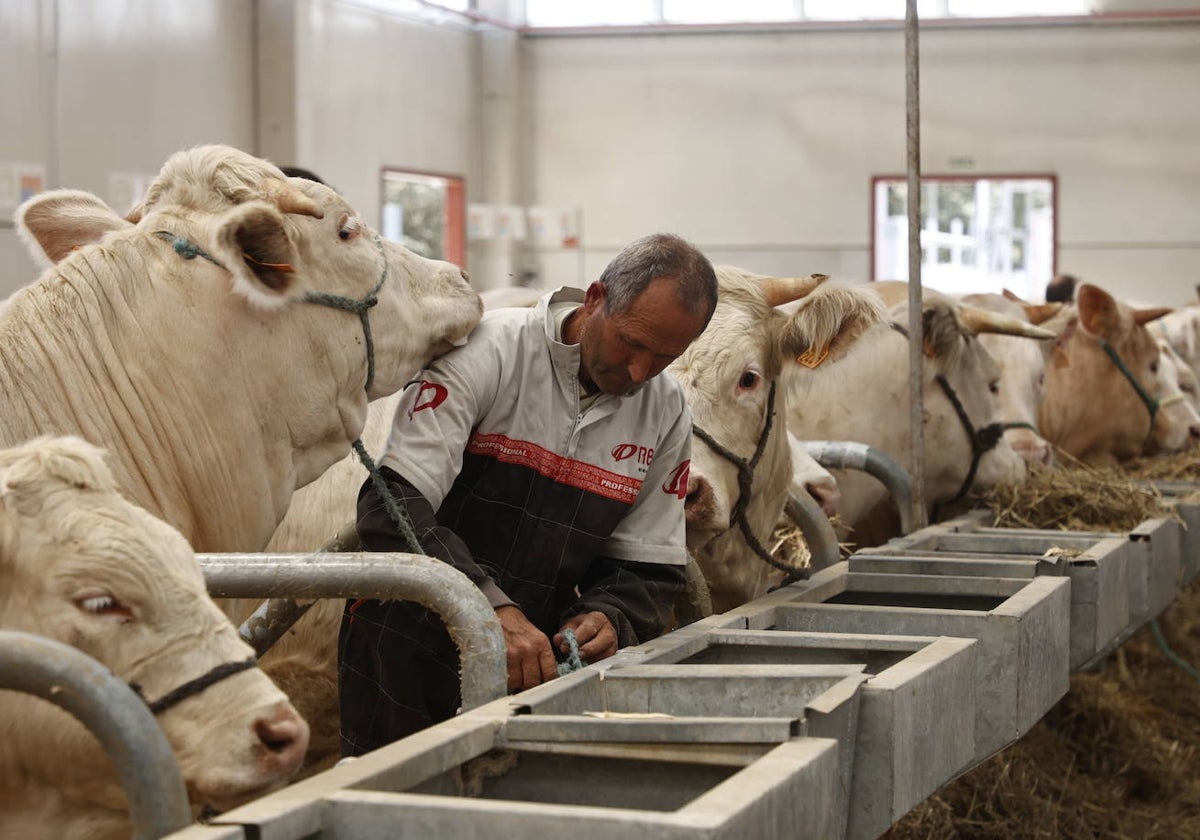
(547, 461)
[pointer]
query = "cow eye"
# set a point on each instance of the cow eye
(994, 386)
(1187, 387)
(349, 228)
(102, 605)
(1154, 367)
(749, 380)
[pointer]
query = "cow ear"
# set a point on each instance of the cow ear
(827, 323)
(30, 472)
(943, 331)
(253, 244)
(1099, 314)
(55, 223)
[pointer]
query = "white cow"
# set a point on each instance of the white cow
(1177, 423)
(205, 343)
(1182, 329)
(865, 398)
(728, 375)
(1022, 366)
(80, 564)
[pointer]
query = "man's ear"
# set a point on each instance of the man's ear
(252, 243)
(53, 224)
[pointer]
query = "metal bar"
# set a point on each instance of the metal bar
(848, 455)
(916, 337)
(468, 616)
(77, 683)
(818, 531)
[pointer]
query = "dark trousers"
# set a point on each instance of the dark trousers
(397, 673)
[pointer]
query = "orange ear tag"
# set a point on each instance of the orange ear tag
(281, 267)
(812, 359)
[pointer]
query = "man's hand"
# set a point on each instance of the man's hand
(595, 634)
(530, 659)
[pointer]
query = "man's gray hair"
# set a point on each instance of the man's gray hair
(660, 255)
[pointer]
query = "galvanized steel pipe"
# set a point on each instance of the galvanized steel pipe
(435, 585)
(849, 455)
(120, 720)
(815, 525)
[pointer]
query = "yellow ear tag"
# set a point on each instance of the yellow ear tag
(812, 359)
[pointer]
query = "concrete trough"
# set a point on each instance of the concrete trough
(1023, 627)
(1098, 566)
(916, 720)
(1176, 492)
(462, 779)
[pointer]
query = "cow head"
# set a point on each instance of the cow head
(728, 375)
(1177, 424)
(1182, 329)
(1022, 365)
(1091, 407)
(80, 564)
(323, 316)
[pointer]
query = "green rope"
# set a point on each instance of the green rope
(574, 660)
(1170, 654)
(184, 248)
(395, 510)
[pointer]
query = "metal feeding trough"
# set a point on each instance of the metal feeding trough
(1098, 566)
(464, 779)
(1022, 663)
(916, 719)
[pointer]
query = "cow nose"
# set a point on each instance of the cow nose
(701, 503)
(1194, 434)
(827, 494)
(284, 736)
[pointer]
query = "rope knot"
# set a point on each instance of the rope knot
(574, 661)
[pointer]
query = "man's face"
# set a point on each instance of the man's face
(620, 353)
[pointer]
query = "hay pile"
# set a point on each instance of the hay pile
(1118, 756)
(1078, 498)
(1180, 466)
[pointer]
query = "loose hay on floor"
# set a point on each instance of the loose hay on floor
(1118, 756)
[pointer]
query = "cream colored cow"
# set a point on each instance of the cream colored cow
(80, 564)
(225, 345)
(1093, 408)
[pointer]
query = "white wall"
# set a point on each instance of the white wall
(760, 147)
(98, 87)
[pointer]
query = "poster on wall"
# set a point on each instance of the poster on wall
(481, 221)
(510, 222)
(18, 181)
(554, 225)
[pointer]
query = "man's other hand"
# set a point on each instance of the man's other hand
(530, 659)
(595, 634)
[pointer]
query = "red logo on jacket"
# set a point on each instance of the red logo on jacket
(676, 483)
(431, 395)
(627, 450)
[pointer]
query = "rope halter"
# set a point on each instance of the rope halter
(1152, 403)
(983, 440)
(192, 687)
(745, 469)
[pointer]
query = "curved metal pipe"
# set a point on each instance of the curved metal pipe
(435, 585)
(818, 531)
(77, 683)
(848, 455)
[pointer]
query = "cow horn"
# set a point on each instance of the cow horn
(786, 289)
(291, 200)
(1039, 312)
(985, 321)
(1145, 316)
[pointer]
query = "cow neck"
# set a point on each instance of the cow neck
(745, 469)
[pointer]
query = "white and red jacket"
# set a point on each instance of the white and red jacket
(560, 509)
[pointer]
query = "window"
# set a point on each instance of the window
(566, 13)
(425, 213)
(978, 233)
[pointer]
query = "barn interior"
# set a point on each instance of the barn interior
(527, 141)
